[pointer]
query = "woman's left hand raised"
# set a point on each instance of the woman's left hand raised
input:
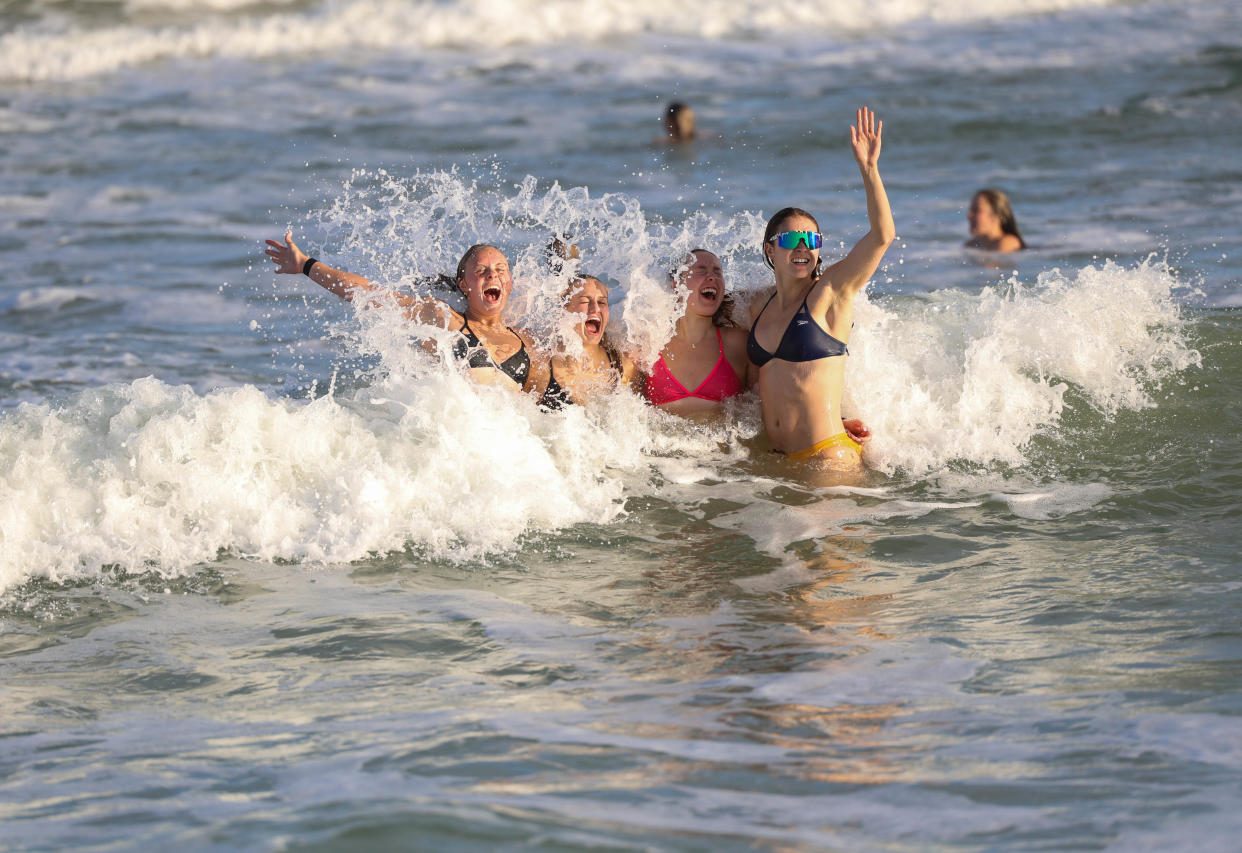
(287, 257)
(865, 138)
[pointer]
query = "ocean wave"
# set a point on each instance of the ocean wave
(148, 475)
(58, 45)
(977, 376)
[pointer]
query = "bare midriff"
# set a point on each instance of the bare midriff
(802, 401)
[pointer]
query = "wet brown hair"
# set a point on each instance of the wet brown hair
(560, 250)
(679, 121)
(1004, 212)
(774, 227)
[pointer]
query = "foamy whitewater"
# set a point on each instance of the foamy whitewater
(272, 577)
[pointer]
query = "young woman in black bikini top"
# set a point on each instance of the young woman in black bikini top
(600, 367)
(470, 349)
(482, 275)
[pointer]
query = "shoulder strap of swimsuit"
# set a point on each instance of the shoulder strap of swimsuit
(761, 310)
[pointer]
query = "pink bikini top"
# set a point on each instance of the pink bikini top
(720, 384)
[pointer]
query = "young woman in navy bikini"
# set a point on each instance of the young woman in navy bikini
(797, 342)
(493, 351)
(692, 377)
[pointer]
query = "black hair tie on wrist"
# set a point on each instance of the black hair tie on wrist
(306, 267)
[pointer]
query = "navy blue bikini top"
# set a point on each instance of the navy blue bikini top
(469, 348)
(803, 340)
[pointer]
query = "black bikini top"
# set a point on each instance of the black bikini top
(803, 340)
(555, 397)
(470, 349)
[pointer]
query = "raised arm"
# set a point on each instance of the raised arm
(848, 275)
(291, 260)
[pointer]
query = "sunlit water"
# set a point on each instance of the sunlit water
(273, 579)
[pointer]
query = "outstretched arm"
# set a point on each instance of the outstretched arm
(848, 275)
(291, 260)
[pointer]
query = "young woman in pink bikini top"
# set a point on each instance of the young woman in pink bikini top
(705, 362)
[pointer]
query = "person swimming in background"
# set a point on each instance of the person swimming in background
(797, 342)
(490, 349)
(601, 367)
(993, 226)
(705, 363)
(679, 124)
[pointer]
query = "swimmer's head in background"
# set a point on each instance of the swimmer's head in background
(777, 224)
(1003, 210)
(679, 122)
(700, 264)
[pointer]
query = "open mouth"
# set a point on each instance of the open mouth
(592, 325)
(492, 294)
(708, 293)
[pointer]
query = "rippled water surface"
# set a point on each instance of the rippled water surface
(270, 580)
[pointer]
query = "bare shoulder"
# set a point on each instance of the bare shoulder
(1009, 243)
(432, 312)
(527, 339)
(759, 301)
(734, 337)
(829, 295)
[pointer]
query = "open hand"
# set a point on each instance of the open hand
(865, 139)
(287, 257)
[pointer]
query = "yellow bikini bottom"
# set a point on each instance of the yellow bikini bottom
(841, 439)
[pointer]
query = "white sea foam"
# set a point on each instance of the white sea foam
(61, 47)
(976, 377)
(1063, 499)
(44, 299)
(152, 475)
